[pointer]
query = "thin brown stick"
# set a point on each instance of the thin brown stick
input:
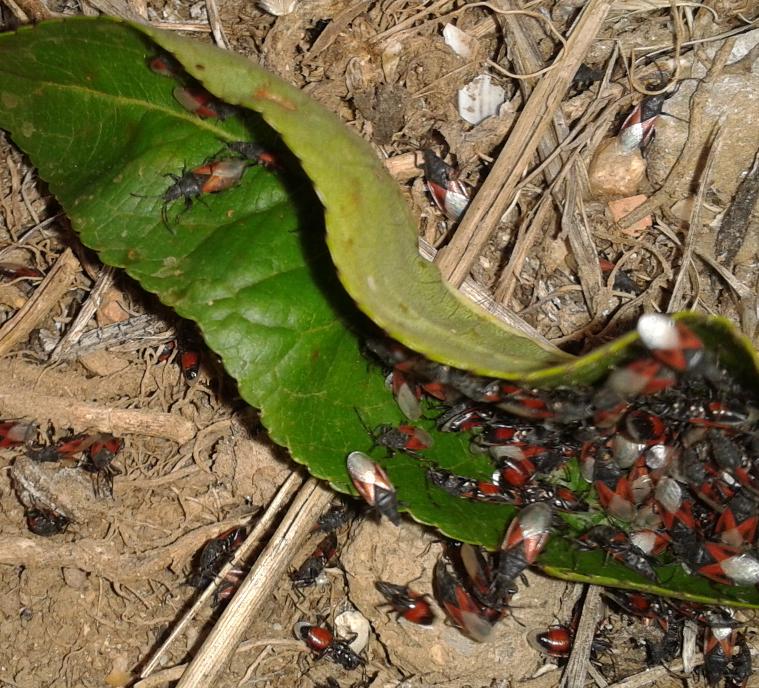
(678, 298)
(653, 675)
(577, 666)
(102, 557)
(47, 296)
(214, 19)
(175, 672)
(81, 416)
(35, 10)
(495, 195)
(284, 494)
(257, 587)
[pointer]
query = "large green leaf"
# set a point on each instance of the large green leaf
(250, 264)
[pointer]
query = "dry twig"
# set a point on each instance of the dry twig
(495, 195)
(81, 416)
(102, 557)
(86, 312)
(577, 666)
(47, 296)
(678, 299)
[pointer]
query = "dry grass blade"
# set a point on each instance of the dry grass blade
(678, 299)
(652, 676)
(497, 192)
(582, 245)
(86, 312)
(255, 590)
(44, 299)
(732, 232)
(747, 297)
(138, 332)
(577, 666)
(217, 29)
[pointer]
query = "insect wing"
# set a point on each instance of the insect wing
(373, 485)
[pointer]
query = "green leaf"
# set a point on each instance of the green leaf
(250, 264)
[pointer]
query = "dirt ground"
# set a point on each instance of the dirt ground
(91, 606)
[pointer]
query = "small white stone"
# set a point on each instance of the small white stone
(278, 7)
(352, 623)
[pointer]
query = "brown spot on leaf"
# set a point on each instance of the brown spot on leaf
(265, 94)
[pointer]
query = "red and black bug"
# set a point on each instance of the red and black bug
(458, 604)
(310, 570)
(164, 65)
(611, 482)
(468, 488)
(338, 516)
(189, 363)
(16, 432)
(405, 438)
(212, 177)
(638, 129)
(728, 565)
(669, 646)
(642, 376)
(100, 453)
(448, 193)
(739, 669)
(525, 539)
(186, 186)
(556, 641)
(228, 586)
(166, 351)
(46, 522)
(373, 485)
(651, 542)
(617, 544)
(464, 416)
(66, 448)
(214, 555)
(407, 393)
(14, 271)
(321, 640)
(255, 153)
(220, 175)
(198, 101)
(737, 524)
(638, 604)
(671, 342)
(720, 638)
(407, 603)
